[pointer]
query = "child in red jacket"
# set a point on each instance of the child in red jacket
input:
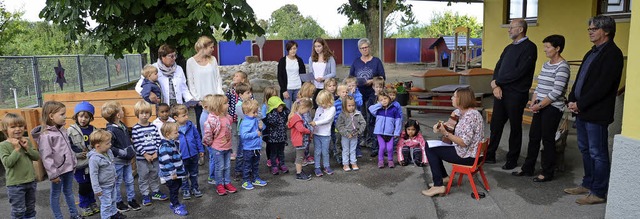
(300, 134)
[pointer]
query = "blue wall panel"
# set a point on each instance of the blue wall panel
(304, 49)
(351, 51)
(408, 50)
(232, 54)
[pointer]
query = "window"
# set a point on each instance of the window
(526, 9)
(615, 8)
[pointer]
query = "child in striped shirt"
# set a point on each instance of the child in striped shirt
(171, 169)
(146, 140)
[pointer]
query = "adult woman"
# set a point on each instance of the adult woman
(321, 64)
(289, 69)
(365, 68)
(170, 77)
(547, 103)
(469, 131)
(203, 76)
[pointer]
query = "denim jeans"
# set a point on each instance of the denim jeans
(321, 150)
(23, 200)
(202, 119)
(191, 166)
(212, 163)
(174, 191)
(251, 165)
(108, 201)
(239, 151)
(349, 150)
(593, 144)
(124, 172)
(64, 186)
(222, 166)
(293, 96)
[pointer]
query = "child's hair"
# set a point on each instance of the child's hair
(302, 103)
(383, 94)
(214, 102)
(341, 87)
(324, 98)
(249, 106)
(330, 81)
(346, 100)
(307, 90)
(411, 123)
(177, 110)
(203, 42)
(242, 88)
(270, 91)
(391, 91)
(9, 120)
(379, 81)
(110, 111)
(244, 76)
(99, 136)
(148, 70)
(349, 79)
(50, 107)
(162, 105)
(168, 127)
(141, 107)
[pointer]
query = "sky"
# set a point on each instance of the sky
(325, 14)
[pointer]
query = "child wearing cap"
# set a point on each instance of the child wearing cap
(79, 135)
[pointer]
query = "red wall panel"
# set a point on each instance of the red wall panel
(336, 47)
(389, 51)
(426, 54)
(272, 50)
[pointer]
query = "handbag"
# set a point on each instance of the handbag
(561, 142)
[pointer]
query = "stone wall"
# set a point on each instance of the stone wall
(261, 74)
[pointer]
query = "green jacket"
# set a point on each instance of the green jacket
(18, 164)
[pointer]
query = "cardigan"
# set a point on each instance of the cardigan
(282, 72)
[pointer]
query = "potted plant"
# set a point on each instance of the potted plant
(403, 95)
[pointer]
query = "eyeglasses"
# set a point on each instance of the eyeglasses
(513, 27)
(364, 47)
(172, 56)
(593, 29)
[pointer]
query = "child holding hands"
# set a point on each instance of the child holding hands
(300, 134)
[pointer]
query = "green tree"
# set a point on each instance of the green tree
(9, 27)
(446, 23)
(288, 23)
(132, 25)
(353, 31)
(367, 13)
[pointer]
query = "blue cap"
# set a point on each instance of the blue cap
(84, 106)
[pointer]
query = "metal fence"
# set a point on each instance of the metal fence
(24, 79)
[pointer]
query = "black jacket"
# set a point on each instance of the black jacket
(514, 70)
(282, 72)
(598, 95)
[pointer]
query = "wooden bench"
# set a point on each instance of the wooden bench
(32, 119)
(438, 105)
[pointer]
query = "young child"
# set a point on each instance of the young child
(171, 169)
(217, 137)
(79, 136)
(351, 125)
(17, 156)
(411, 146)
(250, 138)
(151, 92)
(103, 173)
(163, 117)
(269, 92)
(336, 147)
(331, 84)
(244, 93)
(57, 157)
(191, 150)
(393, 93)
(146, 140)
(352, 90)
(238, 78)
(122, 149)
(388, 126)
(322, 131)
(378, 86)
(306, 92)
(275, 133)
(300, 134)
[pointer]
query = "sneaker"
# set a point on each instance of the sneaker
(328, 171)
(133, 204)
(269, 162)
(590, 199)
(380, 164)
(259, 182)
(95, 208)
(284, 169)
(159, 196)
(146, 200)
(355, 167)
(237, 177)
(275, 171)
(118, 215)
(122, 207)
(302, 176)
(230, 188)
(247, 186)
(346, 168)
(220, 190)
(576, 191)
(197, 193)
(86, 212)
(310, 160)
(211, 181)
(391, 164)
(186, 195)
(180, 210)
(318, 172)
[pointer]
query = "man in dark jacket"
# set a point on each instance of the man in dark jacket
(511, 82)
(592, 101)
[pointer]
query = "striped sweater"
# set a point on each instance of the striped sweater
(552, 83)
(146, 140)
(170, 160)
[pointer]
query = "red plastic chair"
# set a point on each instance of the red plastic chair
(481, 156)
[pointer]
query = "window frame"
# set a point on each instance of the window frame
(529, 20)
(625, 13)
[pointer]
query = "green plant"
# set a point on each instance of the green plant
(400, 87)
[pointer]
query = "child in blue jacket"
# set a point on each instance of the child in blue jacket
(191, 149)
(251, 140)
(388, 126)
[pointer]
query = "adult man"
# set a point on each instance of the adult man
(512, 79)
(592, 101)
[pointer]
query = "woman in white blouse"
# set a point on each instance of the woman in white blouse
(203, 76)
(289, 69)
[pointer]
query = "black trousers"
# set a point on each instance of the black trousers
(436, 155)
(543, 127)
(509, 108)
(276, 154)
(174, 190)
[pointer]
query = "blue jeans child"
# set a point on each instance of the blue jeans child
(191, 166)
(321, 149)
(23, 200)
(108, 201)
(124, 172)
(251, 165)
(64, 186)
(222, 166)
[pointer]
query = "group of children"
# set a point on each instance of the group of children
(167, 150)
